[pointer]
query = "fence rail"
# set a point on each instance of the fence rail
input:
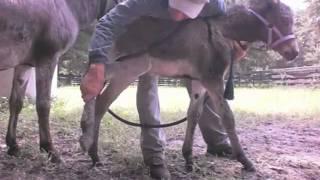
(286, 76)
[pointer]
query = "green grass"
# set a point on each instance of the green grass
(291, 101)
(251, 105)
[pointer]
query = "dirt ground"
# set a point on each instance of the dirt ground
(280, 149)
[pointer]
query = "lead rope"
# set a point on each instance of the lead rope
(177, 29)
(229, 89)
(137, 54)
(145, 125)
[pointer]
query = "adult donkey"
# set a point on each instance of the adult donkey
(37, 33)
(200, 50)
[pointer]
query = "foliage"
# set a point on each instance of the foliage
(75, 60)
(314, 12)
(306, 30)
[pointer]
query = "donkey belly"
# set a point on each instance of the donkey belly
(13, 53)
(173, 68)
(18, 28)
(29, 28)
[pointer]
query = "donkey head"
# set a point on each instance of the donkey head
(277, 30)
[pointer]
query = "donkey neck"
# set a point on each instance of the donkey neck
(239, 24)
(85, 11)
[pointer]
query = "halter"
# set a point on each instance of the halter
(272, 29)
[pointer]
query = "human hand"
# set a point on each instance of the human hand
(93, 81)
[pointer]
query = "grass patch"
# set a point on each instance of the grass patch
(291, 102)
(257, 112)
(251, 106)
(287, 101)
(284, 101)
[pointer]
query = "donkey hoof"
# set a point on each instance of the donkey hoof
(95, 161)
(85, 143)
(189, 167)
(249, 168)
(96, 164)
(54, 157)
(13, 151)
(94, 157)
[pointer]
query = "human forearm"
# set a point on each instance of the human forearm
(113, 24)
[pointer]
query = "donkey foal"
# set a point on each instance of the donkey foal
(199, 51)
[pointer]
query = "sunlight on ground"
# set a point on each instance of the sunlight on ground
(171, 99)
(292, 101)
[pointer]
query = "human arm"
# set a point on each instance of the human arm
(113, 24)
(107, 30)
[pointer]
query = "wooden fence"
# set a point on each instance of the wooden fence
(309, 76)
(66, 80)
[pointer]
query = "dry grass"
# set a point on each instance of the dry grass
(278, 128)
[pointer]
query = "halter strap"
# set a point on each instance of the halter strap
(272, 29)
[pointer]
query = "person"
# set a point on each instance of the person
(107, 30)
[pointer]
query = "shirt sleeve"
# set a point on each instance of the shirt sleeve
(113, 24)
(214, 8)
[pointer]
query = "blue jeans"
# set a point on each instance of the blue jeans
(153, 140)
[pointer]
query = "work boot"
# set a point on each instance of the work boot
(159, 171)
(221, 150)
(93, 81)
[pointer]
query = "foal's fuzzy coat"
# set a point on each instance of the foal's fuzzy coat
(198, 50)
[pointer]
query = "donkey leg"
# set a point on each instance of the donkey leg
(15, 105)
(87, 125)
(215, 90)
(103, 102)
(197, 95)
(44, 74)
(122, 75)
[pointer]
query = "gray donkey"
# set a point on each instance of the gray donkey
(37, 33)
(199, 50)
